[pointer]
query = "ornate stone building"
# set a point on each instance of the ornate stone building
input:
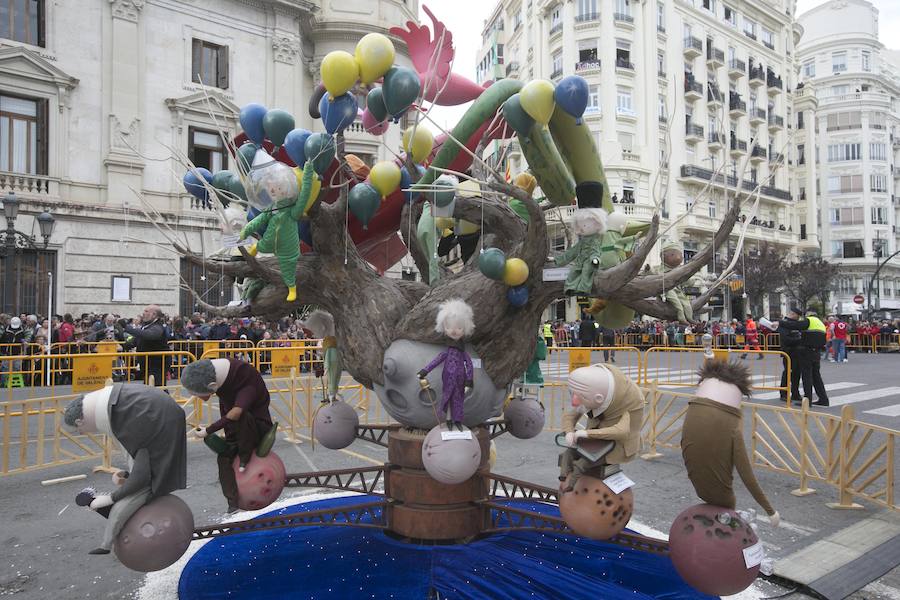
(98, 97)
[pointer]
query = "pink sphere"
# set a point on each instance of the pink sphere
(156, 535)
(709, 554)
(261, 482)
(372, 126)
(592, 510)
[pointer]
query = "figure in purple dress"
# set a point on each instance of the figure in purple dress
(456, 321)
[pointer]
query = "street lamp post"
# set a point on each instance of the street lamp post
(12, 241)
(874, 281)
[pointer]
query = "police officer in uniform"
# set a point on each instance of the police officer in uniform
(805, 353)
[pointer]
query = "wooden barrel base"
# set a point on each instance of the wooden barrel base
(446, 523)
(413, 486)
(424, 509)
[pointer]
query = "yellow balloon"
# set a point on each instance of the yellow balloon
(444, 223)
(537, 100)
(339, 72)
(417, 142)
(385, 177)
(374, 55)
(515, 272)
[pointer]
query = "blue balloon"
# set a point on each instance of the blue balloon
(571, 95)
(252, 121)
(303, 228)
(406, 181)
(517, 296)
(193, 185)
(294, 143)
(339, 113)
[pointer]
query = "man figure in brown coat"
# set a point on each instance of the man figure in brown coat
(614, 407)
(712, 439)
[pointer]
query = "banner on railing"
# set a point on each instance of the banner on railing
(285, 359)
(579, 358)
(90, 372)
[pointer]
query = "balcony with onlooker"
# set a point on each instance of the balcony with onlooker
(736, 106)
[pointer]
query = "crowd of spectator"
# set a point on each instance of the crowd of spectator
(151, 331)
(586, 332)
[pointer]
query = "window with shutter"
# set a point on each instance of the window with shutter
(209, 64)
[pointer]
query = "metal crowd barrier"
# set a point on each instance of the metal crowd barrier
(856, 458)
(677, 367)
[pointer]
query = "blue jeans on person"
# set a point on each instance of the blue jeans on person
(840, 349)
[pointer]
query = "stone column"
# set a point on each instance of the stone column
(124, 84)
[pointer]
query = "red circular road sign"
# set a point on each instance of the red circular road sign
(859, 299)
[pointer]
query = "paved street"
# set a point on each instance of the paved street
(46, 537)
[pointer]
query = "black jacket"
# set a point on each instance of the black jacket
(799, 333)
(149, 337)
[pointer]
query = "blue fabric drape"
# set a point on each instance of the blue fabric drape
(345, 563)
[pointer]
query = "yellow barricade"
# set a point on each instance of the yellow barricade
(51, 375)
(855, 457)
(888, 342)
(677, 367)
(861, 342)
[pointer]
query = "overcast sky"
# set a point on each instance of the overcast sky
(466, 19)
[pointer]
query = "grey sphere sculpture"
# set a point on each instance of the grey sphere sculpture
(335, 425)
(408, 403)
(524, 417)
(156, 535)
(450, 461)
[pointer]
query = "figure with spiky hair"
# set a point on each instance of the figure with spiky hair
(281, 236)
(455, 320)
(712, 440)
(321, 324)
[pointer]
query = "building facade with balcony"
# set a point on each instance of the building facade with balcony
(98, 98)
(701, 87)
(849, 149)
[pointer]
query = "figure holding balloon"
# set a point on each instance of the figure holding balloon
(281, 236)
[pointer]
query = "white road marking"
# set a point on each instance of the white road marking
(312, 467)
(840, 385)
(887, 411)
(866, 395)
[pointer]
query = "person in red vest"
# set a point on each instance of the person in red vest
(751, 337)
(839, 341)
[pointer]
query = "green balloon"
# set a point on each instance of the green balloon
(442, 198)
(320, 150)
(221, 179)
(516, 116)
(375, 104)
(245, 156)
(401, 88)
(364, 202)
(491, 263)
(237, 188)
(277, 124)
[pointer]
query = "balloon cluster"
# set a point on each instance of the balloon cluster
(512, 271)
(373, 59)
(539, 98)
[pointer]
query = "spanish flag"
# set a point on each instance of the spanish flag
(508, 174)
